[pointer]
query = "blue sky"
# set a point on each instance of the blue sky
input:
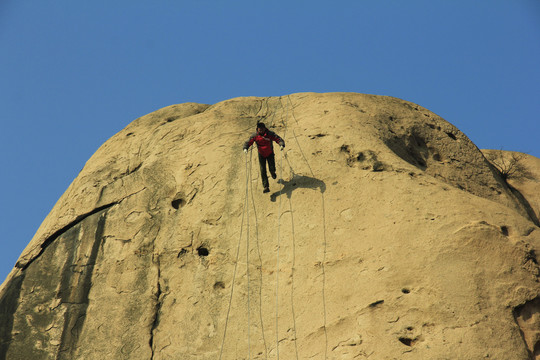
(73, 73)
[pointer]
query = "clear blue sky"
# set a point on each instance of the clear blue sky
(73, 73)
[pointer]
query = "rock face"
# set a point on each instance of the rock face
(387, 235)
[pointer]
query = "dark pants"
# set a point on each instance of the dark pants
(271, 165)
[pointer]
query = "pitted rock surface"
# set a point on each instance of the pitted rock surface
(387, 235)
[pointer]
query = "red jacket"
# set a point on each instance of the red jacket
(264, 142)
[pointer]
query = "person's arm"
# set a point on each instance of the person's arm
(277, 139)
(248, 143)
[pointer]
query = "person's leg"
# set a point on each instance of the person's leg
(264, 176)
(272, 165)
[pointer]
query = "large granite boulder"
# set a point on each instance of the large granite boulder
(387, 235)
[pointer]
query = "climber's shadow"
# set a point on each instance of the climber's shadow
(298, 181)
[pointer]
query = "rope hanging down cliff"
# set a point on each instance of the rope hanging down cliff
(259, 255)
(293, 239)
(324, 236)
(235, 267)
(247, 260)
(277, 256)
(245, 213)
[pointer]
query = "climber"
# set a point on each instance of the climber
(264, 137)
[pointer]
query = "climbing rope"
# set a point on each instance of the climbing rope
(324, 276)
(284, 155)
(234, 273)
(259, 254)
(324, 237)
(277, 253)
(292, 277)
(245, 214)
(247, 259)
(292, 109)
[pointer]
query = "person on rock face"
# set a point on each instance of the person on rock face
(264, 137)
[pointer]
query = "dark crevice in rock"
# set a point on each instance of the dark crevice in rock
(182, 252)
(105, 189)
(406, 341)
(530, 255)
(412, 148)
(60, 232)
(518, 196)
(134, 169)
(157, 311)
(172, 118)
(320, 135)
(526, 317)
(8, 306)
(127, 172)
(75, 286)
(525, 203)
(376, 303)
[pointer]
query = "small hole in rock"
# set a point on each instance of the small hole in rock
(219, 285)
(410, 328)
(504, 230)
(182, 252)
(345, 148)
(360, 156)
(202, 251)
(171, 118)
(376, 303)
(452, 136)
(177, 203)
(378, 166)
(406, 341)
(129, 134)
(405, 290)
